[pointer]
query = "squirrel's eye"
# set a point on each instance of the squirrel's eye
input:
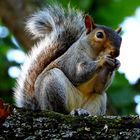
(99, 35)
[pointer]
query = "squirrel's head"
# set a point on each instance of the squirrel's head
(103, 39)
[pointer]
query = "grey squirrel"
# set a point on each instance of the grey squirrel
(71, 66)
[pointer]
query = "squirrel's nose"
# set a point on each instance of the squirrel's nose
(114, 53)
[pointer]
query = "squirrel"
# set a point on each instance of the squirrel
(72, 64)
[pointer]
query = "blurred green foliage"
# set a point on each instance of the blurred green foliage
(121, 95)
(107, 12)
(6, 82)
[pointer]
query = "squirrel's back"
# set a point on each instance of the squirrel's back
(57, 29)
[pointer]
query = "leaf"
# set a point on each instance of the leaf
(5, 111)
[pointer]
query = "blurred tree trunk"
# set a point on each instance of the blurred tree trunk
(13, 14)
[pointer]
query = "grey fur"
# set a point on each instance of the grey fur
(54, 21)
(57, 29)
(65, 62)
(83, 65)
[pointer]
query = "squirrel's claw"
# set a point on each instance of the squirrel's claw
(80, 112)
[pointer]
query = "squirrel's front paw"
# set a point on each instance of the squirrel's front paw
(80, 112)
(117, 64)
(113, 64)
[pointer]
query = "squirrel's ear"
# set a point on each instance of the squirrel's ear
(118, 30)
(89, 24)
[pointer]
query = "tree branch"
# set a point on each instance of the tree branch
(51, 125)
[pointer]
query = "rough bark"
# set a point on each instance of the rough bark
(24, 124)
(13, 14)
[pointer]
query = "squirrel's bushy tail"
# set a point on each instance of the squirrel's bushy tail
(57, 22)
(56, 30)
